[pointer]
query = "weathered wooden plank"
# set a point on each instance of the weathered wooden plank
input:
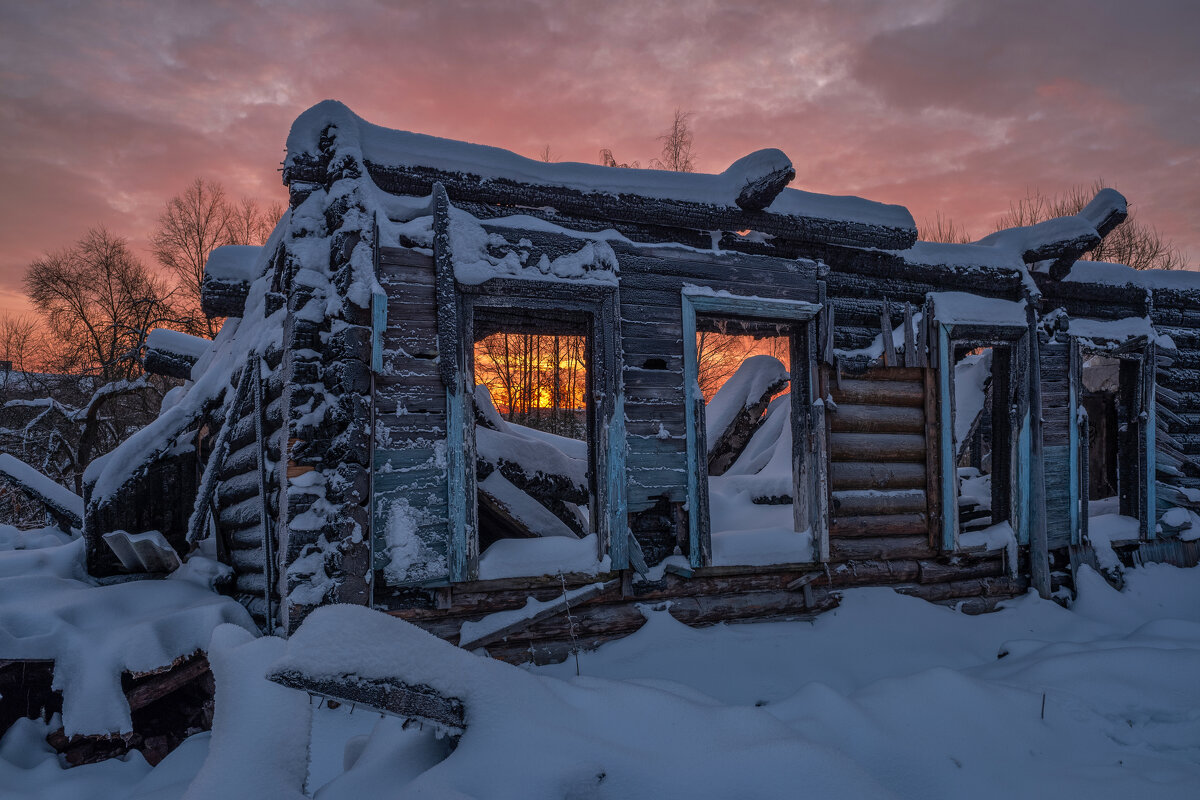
(578, 598)
(871, 475)
(849, 418)
(859, 391)
(860, 502)
(882, 548)
(404, 257)
(906, 524)
(906, 447)
(386, 696)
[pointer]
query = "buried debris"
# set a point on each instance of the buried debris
(384, 695)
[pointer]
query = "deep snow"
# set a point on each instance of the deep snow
(886, 696)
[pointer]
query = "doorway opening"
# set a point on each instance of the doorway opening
(752, 467)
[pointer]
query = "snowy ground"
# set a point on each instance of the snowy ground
(887, 696)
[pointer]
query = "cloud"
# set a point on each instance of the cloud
(106, 110)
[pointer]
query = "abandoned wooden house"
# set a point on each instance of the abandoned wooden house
(961, 422)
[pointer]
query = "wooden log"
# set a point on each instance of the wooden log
(970, 587)
(847, 475)
(223, 298)
(874, 572)
(614, 211)
(879, 525)
(160, 683)
(939, 572)
(869, 501)
(876, 373)
(850, 418)
(521, 623)
(168, 364)
(880, 547)
(873, 447)
(385, 696)
(728, 444)
(865, 391)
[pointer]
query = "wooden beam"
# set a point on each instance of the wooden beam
(561, 606)
(385, 696)
(635, 209)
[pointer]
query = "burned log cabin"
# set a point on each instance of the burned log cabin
(760, 396)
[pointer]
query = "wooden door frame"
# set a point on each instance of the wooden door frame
(1018, 340)
(809, 470)
(1141, 350)
(606, 423)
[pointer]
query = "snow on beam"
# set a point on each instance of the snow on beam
(64, 505)
(1064, 239)
(227, 277)
(172, 353)
(748, 195)
(502, 624)
(384, 695)
(358, 655)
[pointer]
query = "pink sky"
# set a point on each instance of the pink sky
(108, 109)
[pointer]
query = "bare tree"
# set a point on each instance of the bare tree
(249, 222)
(545, 154)
(99, 302)
(676, 145)
(1132, 242)
(609, 160)
(21, 342)
(191, 226)
(944, 229)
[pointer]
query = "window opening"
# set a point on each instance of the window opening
(535, 452)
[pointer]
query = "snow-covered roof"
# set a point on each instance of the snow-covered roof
(58, 497)
(1122, 274)
(386, 147)
(1100, 331)
(962, 308)
(178, 343)
(233, 262)
(1057, 237)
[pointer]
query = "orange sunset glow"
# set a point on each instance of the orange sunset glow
(111, 109)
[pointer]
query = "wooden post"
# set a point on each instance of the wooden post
(1149, 448)
(933, 494)
(946, 460)
(889, 344)
(1076, 507)
(910, 345)
(697, 479)
(1039, 557)
(264, 515)
(460, 493)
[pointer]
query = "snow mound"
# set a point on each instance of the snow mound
(260, 730)
(94, 633)
(744, 389)
(233, 262)
(531, 736)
